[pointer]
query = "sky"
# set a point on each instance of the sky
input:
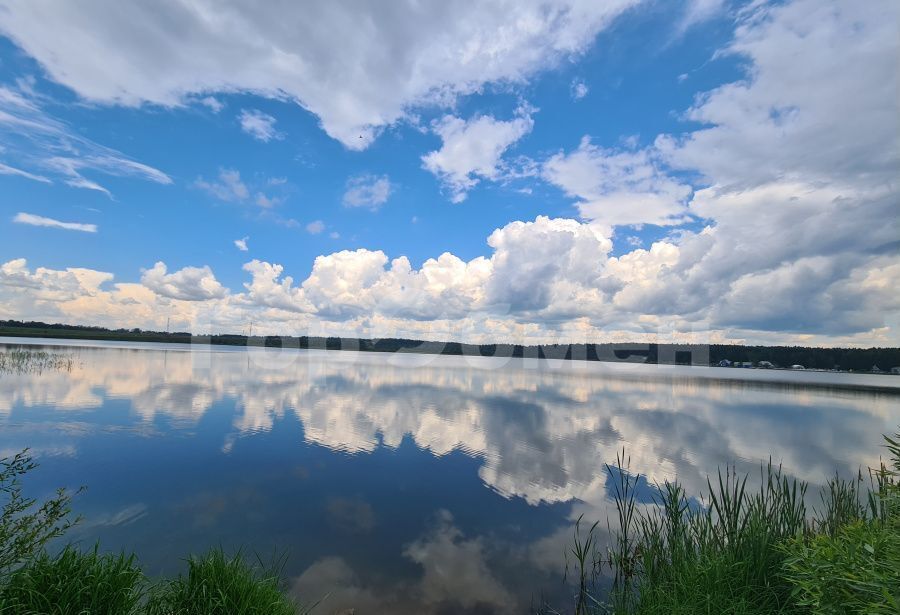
(511, 171)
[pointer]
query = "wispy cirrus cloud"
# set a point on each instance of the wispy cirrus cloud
(71, 168)
(45, 148)
(35, 220)
(8, 170)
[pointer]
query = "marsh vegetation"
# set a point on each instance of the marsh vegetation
(27, 361)
(745, 551)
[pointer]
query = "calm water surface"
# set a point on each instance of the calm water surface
(404, 484)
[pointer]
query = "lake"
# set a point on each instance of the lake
(404, 483)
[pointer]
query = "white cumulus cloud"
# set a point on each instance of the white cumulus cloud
(619, 187)
(579, 89)
(188, 284)
(369, 191)
(259, 125)
(472, 149)
(212, 103)
(315, 227)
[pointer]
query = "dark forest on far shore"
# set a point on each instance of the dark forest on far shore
(844, 359)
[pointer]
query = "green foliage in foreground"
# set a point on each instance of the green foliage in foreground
(856, 567)
(79, 583)
(25, 526)
(220, 585)
(720, 558)
(74, 582)
(743, 551)
(854, 571)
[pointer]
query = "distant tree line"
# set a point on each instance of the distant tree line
(855, 359)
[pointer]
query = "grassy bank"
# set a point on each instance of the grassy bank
(746, 551)
(76, 582)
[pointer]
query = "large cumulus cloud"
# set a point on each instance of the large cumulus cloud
(794, 185)
(356, 65)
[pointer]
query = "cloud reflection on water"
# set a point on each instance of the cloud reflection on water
(543, 434)
(538, 437)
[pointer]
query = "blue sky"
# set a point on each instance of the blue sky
(644, 169)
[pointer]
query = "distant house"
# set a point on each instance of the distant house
(895, 371)
(724, 363)
(765, 365)
(797, 367)
(875, 369)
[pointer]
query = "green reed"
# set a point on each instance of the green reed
(748, 550)
(21, 361)
(853, 567)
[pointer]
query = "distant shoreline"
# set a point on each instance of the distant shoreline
(853, 382)
(857, 360)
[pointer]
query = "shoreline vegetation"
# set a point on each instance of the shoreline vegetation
(73, 581)
(866, 360)
(741, 551)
